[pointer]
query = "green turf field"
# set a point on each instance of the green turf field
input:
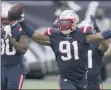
(41, 84)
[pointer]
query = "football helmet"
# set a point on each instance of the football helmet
(66, 20)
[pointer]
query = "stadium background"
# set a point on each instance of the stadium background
(40, 15)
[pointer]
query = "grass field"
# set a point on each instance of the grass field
(41, 84)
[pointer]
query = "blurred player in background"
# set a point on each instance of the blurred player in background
(103, 22)
(70, 45)
(13, 45)
(95, 55)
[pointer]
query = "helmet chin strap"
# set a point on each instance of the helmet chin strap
(66, 32)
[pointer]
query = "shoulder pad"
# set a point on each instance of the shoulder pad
(48, 31)
(86, 29)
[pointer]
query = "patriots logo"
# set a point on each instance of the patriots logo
(68, 37)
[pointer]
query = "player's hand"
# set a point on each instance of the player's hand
(85, 23)
(94, 23)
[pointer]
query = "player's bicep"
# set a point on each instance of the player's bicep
(40, 38)
(23, 40)
(90, 34)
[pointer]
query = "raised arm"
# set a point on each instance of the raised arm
(92, 33)
(39, 38)
(21, 45)
(99, 36)
(92, 36)
(16, 15)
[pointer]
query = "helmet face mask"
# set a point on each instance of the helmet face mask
(65, 24)
(67, 21)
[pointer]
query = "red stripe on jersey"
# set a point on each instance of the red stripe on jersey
(48, 31)
(85, 29)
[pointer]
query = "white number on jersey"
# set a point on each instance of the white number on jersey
(89, 58)
(5, 48)
(67, 50)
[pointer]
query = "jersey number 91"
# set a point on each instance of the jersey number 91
(67, 51)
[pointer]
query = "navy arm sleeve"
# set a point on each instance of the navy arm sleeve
(17, 31)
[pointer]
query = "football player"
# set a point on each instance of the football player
(70, 45)
(95, 55)
(13, 45)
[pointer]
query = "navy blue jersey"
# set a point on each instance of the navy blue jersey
(96, 62)
(9, 55)
(70, 52)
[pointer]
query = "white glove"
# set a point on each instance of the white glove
(86, 23)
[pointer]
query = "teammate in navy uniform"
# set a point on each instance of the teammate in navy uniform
(13, 46)
(70, 45)
(94, 67)
(95, 55)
